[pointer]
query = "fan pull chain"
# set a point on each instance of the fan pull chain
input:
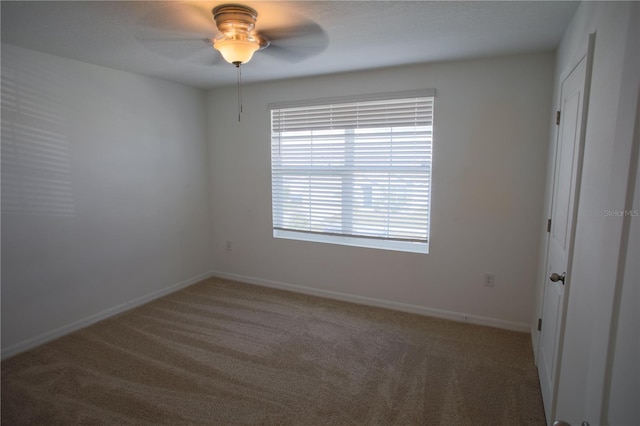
(239, 91)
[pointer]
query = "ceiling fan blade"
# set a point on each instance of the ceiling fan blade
(296, 43)
(207, 56)
(181, 31)
(181, 17)
(191, 49)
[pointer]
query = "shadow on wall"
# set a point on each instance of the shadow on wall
(36, 160)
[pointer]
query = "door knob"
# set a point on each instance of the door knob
(555, 277)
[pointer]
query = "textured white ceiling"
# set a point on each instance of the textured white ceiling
(168, 39)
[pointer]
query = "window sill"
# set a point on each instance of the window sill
(410, 247)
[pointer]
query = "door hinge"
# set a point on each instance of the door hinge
(557, 118)
(539, 324)
(549, 225)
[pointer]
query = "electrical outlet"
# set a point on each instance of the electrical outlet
(489, 280)
(228, 246)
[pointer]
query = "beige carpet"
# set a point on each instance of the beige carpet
(224, 353)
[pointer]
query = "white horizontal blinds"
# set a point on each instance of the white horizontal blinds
(357, 169)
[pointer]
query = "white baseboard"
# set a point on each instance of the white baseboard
(85, 322)
(380, 303)
(363, 300)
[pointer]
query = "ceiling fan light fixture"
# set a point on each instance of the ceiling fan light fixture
(236, 51)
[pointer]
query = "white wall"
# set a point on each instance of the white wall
(599, 379)
(104, 192)
(622, 391)
(490, 147)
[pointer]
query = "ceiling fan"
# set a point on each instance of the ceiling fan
(180, 29)
(237, 37)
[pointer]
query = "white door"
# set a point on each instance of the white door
(563, 208)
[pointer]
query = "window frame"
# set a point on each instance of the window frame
(356, 240)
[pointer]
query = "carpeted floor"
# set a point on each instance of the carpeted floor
(226, 353)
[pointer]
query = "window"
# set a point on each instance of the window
(354, 171)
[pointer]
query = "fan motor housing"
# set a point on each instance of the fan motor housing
(234, 19)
